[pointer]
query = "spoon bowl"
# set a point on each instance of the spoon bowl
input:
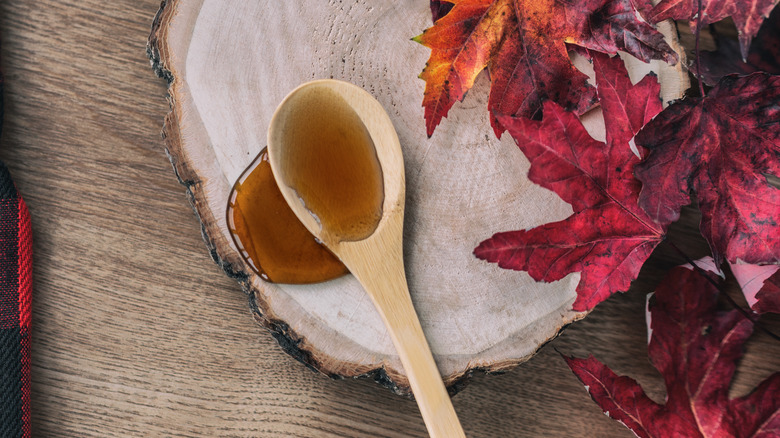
(366, 230)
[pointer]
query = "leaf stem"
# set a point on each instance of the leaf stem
(696, 50)
(747, 314)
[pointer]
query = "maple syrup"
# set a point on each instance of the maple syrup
(331, 163)
(269, 235)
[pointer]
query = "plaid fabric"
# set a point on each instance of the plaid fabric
(15, 300)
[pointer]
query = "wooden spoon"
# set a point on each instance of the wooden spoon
(370, 248)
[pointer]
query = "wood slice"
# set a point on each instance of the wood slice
(230, 62)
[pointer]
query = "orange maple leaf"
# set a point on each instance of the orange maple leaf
(522, 43)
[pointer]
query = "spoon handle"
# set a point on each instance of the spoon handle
(385, 282)
(409, 340)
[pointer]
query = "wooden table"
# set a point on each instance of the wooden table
(136, 332)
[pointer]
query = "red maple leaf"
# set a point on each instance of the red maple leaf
(695, 347)
(723, 147)
(522, 43)
(764, 54)
(747, 15)
(760, 285)
(608, 237)
(768, 297)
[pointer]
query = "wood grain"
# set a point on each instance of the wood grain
(224, 88)
(136, 332)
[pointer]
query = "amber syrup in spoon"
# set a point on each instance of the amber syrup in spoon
(332, 165)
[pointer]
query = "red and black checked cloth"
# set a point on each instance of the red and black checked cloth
(15, 300)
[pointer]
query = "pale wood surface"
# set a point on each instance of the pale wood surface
(232, 62)
(138, 333)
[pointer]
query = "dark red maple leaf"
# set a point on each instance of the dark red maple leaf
(608, 237)
(768, 297)
(721, 146)
(522, 43)
(440, 9)
(760, 285)
(695, 347)
(764, 54)
(747, 14)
